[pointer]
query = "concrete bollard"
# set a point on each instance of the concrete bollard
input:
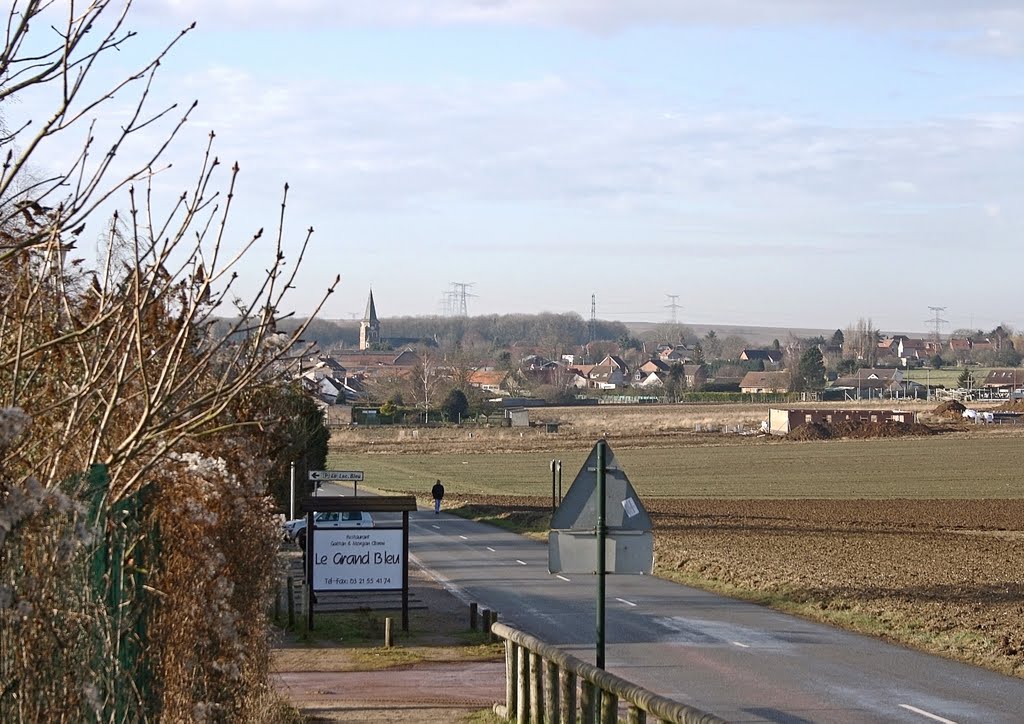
(388, 640)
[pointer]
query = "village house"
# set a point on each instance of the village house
(494, 382)
(755, 382)
(770, 357)
(1005, 380)
(872, 382)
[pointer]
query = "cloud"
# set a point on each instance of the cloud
(985, 26)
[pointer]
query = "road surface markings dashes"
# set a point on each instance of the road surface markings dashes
(522, 563)
(463, 537)
(628, 603)
(928, 714)
(742, 646)
(563, 578)
(490, 549)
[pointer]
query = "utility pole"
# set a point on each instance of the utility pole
(673, 305)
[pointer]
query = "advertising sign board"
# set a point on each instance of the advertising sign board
(357, 559)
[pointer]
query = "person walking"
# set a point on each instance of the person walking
(437, 493)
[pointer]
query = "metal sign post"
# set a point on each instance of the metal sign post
(291, 507)
(601, 534)
(553, 503)
(601, 527)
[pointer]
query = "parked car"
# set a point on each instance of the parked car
(295, 530)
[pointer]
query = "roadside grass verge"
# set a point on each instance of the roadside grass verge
(359, 636)
(529, 521)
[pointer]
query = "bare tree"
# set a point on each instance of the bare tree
(117, 364)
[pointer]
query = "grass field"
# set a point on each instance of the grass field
(941, 466)
(948, 376)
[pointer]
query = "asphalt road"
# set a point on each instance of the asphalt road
(743, 662)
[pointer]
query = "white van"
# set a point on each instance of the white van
(296, 529)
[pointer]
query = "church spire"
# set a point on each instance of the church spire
(371, 310)
(369, 328)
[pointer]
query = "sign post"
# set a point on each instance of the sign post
(602, 532)
(601, 527)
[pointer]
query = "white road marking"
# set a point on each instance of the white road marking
(928, 714)
(522, 563)
(490, 549)
(628, 603)
(742, 646)
(463, 537)
(436, 527)
(563, 578)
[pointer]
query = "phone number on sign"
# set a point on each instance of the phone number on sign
(382, 581)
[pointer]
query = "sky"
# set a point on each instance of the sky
(801, 163)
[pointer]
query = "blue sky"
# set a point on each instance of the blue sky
(801, 163)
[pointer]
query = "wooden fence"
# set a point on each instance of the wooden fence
(545, 684)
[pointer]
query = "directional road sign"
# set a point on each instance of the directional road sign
(324, 475)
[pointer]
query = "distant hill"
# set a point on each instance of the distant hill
(756, 336)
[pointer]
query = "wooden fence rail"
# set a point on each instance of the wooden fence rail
(541, 684)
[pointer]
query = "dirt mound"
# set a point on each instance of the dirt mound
(857, 430)
(1012, 406)
(950, 408)
(810, 431)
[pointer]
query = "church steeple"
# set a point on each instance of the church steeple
(369, 328)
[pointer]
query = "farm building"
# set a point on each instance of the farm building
(780, 422)
(765, 382)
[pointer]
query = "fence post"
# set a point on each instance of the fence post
(536, 695)
(567, 697)
(636, 715)
(587, 691)
(511, 656)
(609, 708)
(523, 686)
(550, 691)
(388, 641)
(491, 636)
(472, 616)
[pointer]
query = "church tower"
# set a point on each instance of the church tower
(369, 328)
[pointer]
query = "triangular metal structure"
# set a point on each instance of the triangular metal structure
(623, 509)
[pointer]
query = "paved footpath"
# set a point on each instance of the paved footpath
(425, 692)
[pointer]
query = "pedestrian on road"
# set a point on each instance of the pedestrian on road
(437, 492)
